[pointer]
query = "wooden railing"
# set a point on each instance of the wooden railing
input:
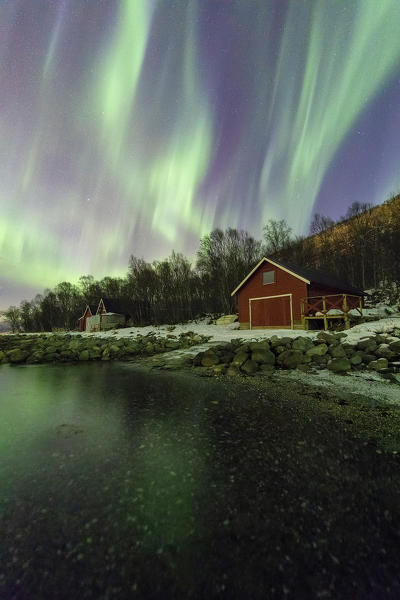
(318, 307)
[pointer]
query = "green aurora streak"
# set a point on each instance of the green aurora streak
(324, 79)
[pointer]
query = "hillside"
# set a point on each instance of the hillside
(364, 249)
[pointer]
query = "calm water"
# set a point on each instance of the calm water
(117, 483)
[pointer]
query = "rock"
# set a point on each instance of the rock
(327, 338)
(356, 359)
(384, 351)
(209, 359)
(368, 345)
(106, 354)
(219, 369)
(263, 356)
(35, 357)
(283, 341)
(172, 344)
(279, 349)
(197, 359)
(376, 365)
(264, 345)
(337, 351)
(319, 360)
(249, 367)
(304, 368)
(367, 357)
(242, 348)
(302, 343)
(84, 355)
(319, 350)
(17, 355)
(266, 368)
(3, 357)
(395, 346)
(239, 359)
(226, 320)
(50, 357)
(339, 365)
(289, 359)
(232, 371)
(226, 357)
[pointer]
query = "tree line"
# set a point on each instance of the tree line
(361, 248)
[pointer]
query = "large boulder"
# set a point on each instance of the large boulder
(172, 344)
(384, 351)
(249, 367)
(239, 359)
(339, 365)
(337, 351)
(356, 359)
(319, 350)
(226, 320)
(35, 357)
(276, 342)
(302, 343)
(209, 359)
(395, 346)
(264, 345)
(377, 365)
(327, 338)
(289, 359)
(17, 355)
(84, 355)
(263, 356)
(369, 345)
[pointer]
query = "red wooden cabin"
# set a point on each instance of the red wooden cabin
(89, 311)
(274, 295)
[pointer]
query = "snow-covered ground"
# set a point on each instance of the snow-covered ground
(217, 333)
(224, 333)
(361, 383)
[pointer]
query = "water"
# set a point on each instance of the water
(120, 483)
(102, 467)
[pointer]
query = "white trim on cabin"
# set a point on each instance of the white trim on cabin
(275, 265)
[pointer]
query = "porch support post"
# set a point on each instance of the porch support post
(324, 312)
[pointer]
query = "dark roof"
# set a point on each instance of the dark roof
(322, 277)
(307, 275)
(113, 306)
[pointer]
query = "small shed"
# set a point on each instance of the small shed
(276, 295)
(109, 315)
(89, 311)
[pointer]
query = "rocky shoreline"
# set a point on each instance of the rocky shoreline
(52, 348)
(333, 351)
(379, 353)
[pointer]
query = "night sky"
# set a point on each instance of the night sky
(136, 127)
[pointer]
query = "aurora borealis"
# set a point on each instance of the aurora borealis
(135, 127)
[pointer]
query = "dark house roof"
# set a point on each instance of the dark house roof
(113, 306)
(307, 275)
(322, 277)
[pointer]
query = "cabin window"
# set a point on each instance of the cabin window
(268, 277)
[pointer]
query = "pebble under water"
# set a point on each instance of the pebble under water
(117, 482)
